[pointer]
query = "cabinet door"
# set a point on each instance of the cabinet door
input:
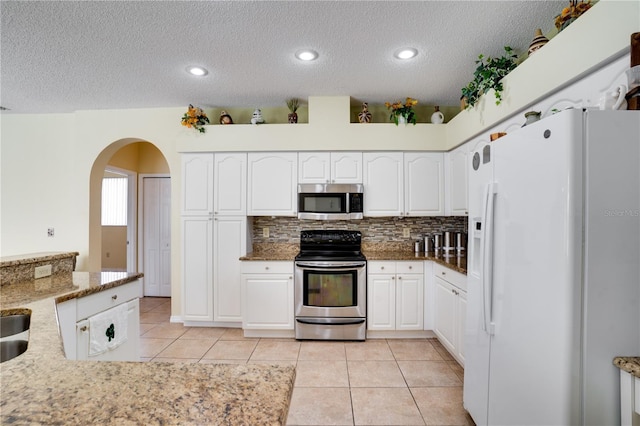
(462, 318)
(457, 181)
(313, 167)
(197, 260)
(424, 184)
(346, 167)
(268, 301)
(229, 236)
(381, 302)
(409, 302)
(445, 306)
(383, 184)
(230, 195)
(197, 184)
(272, 184)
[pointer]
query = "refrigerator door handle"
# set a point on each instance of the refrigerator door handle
(487, 258)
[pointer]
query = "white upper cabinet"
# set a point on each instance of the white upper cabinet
(230, 195)
(197, 184)
(383, 178)
(272, 184)
(409, 184)
(346, 167)
(456, 169)
(424, 184)
(330, 167)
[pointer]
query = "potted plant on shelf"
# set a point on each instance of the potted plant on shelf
(488, 75)
(402, 113)
(293, 104)
(196, 118)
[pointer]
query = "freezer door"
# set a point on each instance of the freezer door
(534, 366)
(476, 337)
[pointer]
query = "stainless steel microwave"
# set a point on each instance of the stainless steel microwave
(330, 201)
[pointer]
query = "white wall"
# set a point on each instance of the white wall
(46, 169)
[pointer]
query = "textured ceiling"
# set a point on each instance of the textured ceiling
(63, 56)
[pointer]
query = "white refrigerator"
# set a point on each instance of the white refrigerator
(553, 270)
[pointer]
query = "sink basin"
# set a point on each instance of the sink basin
(14, 324)
(10, 349)
(14, 333)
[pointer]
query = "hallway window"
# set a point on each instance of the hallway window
(114, 201)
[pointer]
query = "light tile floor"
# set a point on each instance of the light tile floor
(376, 382)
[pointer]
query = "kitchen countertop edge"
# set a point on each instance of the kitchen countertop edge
(630, 364)
(456, 263)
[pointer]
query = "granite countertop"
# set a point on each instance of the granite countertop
(630, 364)
(42, 386)
(384, 251)
(46, 256)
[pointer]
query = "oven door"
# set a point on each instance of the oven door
(330, 289)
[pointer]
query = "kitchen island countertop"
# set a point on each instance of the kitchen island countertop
(41, 386)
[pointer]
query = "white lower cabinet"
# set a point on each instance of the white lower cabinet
(395, 295)
(267, 298)
(197, 268)
(450, 309)
(79, 319)
(230, 242)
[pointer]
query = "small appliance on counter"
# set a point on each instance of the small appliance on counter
(449, 244)
(461, 243)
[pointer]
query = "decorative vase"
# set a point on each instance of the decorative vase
(437, 117)
(401, 119)
(225, 118)
(292, 117)
(365, 115)
(538, 41)
(463, 103)
(531, 117)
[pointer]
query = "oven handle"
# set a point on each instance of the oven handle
(332, 321)
(328, 265)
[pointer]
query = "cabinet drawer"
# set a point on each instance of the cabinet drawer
(411, 267)
(97, 302)
(456, 278)
(271, 267)
(381, 267)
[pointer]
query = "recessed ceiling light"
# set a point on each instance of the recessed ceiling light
(406, 53)
(306, 55)
(197, 71)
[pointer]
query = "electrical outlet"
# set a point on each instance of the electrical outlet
(406, 233)
(265, 232)
(42, 271)
(49, 232)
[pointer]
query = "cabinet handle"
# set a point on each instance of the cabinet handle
(399, 278)
(410, 267)
(83, 328)
(444, 273)
(266, 268)
(382, 268)
(114, 297)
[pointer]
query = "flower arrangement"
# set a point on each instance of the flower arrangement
(488, 75)
(398, 109)
(571, 13)
(196, 118)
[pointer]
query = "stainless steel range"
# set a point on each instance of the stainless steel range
(330, 286)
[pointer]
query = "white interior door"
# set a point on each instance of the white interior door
(156, 264)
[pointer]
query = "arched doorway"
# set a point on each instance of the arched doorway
(141, 162)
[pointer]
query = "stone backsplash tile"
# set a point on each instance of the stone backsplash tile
(374, 230)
